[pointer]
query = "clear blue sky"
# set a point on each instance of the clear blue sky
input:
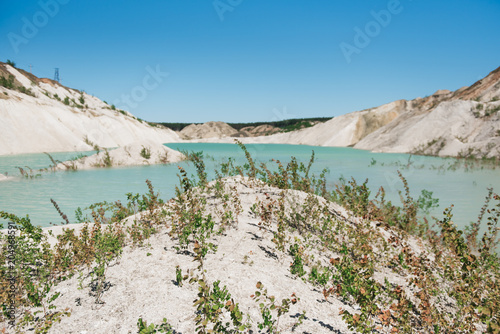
(253, 60)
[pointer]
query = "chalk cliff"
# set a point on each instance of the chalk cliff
(41, 115)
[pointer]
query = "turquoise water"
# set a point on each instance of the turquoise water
(463, 188)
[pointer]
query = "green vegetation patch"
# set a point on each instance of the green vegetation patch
(286, 125)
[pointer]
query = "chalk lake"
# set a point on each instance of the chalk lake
(464, 187)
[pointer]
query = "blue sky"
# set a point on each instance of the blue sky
(253, 60)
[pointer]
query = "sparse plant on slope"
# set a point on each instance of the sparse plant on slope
(269, 308)
(188, 210)
(164, 327)
(213, 301)
(252, 170)
(146, 153)
(106, 161)
(354, 197)
(56, 206)
(7, 82)
(152, 213)
(163, 158)
(30, 266)
(197, 159)
(106, 243)
(354, 280)
(296, 267)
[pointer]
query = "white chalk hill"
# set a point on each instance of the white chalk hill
(463, 122)
(41, 115)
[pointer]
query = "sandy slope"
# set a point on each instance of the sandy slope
(450, 129)
(223, 130)
(207, 130)
(144, 286)
(345, 130)
(45, 124)
(260, 130)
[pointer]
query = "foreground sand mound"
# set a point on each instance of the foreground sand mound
(252, 256)
(136, 154)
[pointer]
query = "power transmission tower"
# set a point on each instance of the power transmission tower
(56, 75)
(31, 67)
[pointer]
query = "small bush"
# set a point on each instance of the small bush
(146, 153)
(107, 161)
(7, 82)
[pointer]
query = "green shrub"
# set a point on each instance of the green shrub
(7, 82)
(164, 327)
(146, 153)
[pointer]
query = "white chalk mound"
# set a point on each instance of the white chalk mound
(136, 154)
